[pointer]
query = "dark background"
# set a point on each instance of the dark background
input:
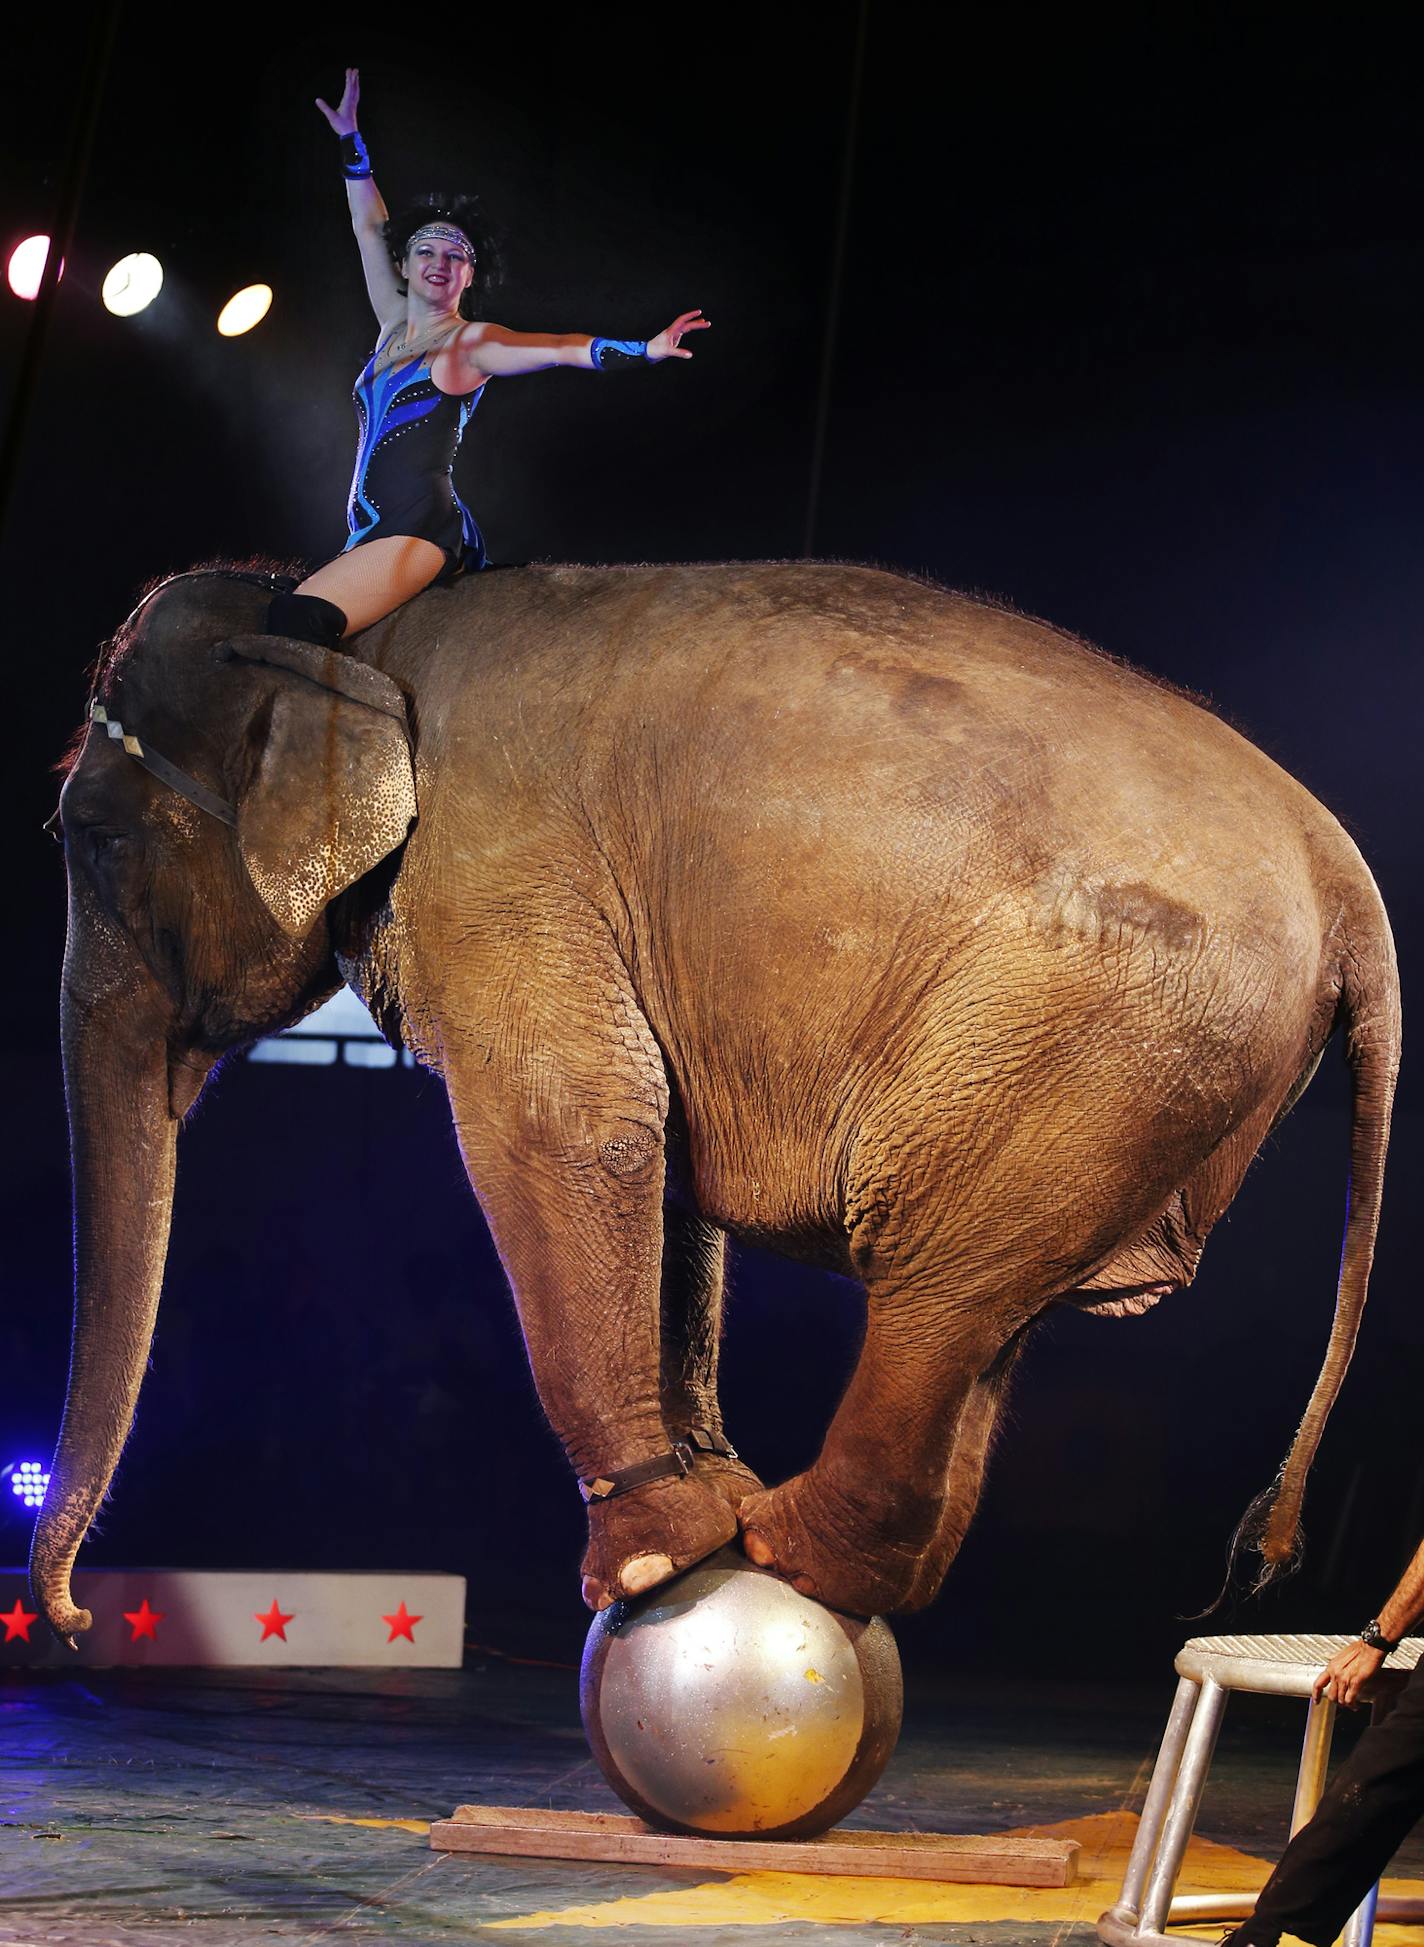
(1121, 321)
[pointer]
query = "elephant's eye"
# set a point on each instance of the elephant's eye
(107, 844)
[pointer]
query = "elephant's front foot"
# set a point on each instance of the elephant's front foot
(646, 1536)
(836, 1549)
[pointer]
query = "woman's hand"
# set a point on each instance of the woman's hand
(343, 119)
(1346, 1671)
(667, 344)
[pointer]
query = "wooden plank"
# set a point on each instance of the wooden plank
(533, 1833)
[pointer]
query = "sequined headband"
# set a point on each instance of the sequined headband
(449, 231)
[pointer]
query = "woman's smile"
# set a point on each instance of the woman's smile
(438, 270)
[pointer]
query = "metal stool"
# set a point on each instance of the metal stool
(1209, 1667)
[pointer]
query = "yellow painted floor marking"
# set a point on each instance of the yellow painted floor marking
(421, 1826)
(780, 1899)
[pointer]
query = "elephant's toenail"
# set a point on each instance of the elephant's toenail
(758, 1550)
(645, 1572)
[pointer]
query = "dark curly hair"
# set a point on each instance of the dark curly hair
(465, 213)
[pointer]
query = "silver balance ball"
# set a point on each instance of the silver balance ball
(725, 1703)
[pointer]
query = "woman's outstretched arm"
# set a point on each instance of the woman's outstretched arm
(368, 210)
(490, 351)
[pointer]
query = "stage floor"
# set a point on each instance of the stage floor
(231, 1807)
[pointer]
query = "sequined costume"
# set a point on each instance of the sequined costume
(408, 432)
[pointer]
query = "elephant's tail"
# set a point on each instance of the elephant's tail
(1368, 1007)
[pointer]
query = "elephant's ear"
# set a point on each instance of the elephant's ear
(333, 792)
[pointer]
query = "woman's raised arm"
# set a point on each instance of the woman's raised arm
(368, 211)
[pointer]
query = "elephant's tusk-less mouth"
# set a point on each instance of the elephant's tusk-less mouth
(1127, 1301)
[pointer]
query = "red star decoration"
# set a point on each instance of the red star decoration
(17, 1622)
(402, 1624)
(144, 1621)
(274, 1623)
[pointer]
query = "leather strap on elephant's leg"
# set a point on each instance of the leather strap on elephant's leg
(672, 1465)
(664, 1466)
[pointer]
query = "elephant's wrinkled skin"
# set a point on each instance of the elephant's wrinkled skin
(805, 903)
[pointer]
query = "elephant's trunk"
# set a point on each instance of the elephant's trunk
(123, 1153)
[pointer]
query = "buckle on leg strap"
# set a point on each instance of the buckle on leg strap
(664, 1466)
(703, 1440)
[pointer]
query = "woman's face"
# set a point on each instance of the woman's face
(439, 269)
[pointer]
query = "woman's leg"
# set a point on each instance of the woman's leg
(369, 581)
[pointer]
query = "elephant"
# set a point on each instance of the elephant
(807, 904)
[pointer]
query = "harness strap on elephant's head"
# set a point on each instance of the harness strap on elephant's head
(166, 773)
(152, 760)
(330, 671)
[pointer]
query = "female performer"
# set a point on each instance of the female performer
(431, 363)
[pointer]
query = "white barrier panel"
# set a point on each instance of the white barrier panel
(229, 1618)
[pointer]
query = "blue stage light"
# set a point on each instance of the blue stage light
(28, 1480)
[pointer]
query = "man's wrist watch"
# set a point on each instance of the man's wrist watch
(1374, 1638)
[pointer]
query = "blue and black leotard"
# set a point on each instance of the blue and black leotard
(408, 433)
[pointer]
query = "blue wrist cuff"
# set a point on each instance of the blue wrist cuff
(606, 353)
(355, 162)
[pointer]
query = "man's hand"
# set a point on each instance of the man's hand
(1345, 1672)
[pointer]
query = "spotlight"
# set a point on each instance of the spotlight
(132, 284)
(26, 266)
(245, 309)
(29, 1480)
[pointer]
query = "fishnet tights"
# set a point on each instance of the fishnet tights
(370, 580)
